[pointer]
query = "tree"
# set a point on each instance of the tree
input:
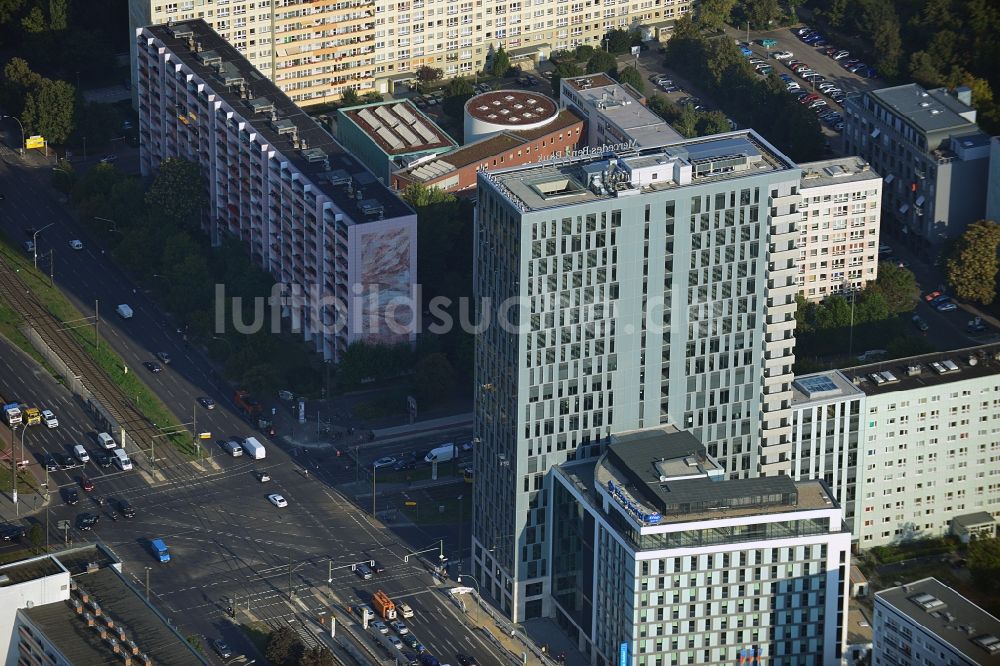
(631, 76)
(713, 14)
(419, 195)
(178, 194)
(283, 647)
(318, 656)
(456, 93)
(349, 97)
(972, 267)
(433, 379)
(18, 81)
(48, 110)
(984, 564)
(500, 64)
(761, 13)
(602, 61)
(371, 97)
(9, 9)
(34, 21)
(619, 40)
(897, 286)
(563, 70)
(584, 51)
(428, 74)
(58, 11)
(713, 122)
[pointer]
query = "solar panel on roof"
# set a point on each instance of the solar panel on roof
(409, 137)
(404, 113)
(425, 132)
(389, 138)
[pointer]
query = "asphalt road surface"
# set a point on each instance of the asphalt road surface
(227, 541)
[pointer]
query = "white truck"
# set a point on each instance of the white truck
(12, 414)
(124, 311)
(253, 448)
(440, 454)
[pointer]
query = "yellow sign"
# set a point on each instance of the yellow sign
(36, 141)
(204, 435)
(410, 503)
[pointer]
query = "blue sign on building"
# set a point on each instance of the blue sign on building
(623, 654)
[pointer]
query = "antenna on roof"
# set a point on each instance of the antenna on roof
(304, 144)
(190, 42)
(326, 164)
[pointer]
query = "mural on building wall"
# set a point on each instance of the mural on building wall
(387, 276)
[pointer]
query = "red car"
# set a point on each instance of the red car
(809, 99)
(86, 484)
(931, 296)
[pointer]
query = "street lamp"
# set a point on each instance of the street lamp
(34, 242)
(20, 150)
(114, 225)
(478, 597)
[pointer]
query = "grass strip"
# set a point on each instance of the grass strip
(57, 303)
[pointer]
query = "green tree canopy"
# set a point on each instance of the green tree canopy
(584, 51)
(761, 13)
(419, 195)
(428, 74)
(457, 92)
(619, 40)
(984, 564)
(897, 286)
(563, 70)
(178, 194)
(318, 656)
(500, 64)
(283, 647)
(49, 111)
(349, 97)
(713, 14)
(972, 267)
(602, 61)
(632, 77)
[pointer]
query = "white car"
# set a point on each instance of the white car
(81, 453)
(379, 626)
(400, 628)
(782, 55)
(49, 418)
(76, 244)
(277, 500)
(396, 643)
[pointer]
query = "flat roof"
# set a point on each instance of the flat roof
(28, 570)
(820, 387)
(571, 181)
(398, 127)
(623, 106)
(277, 119)
(512, 107)
(82, 644)
(633, 469)
(926, 371)
(930, 110)
(946, 614)
(484, 149)
(851, 169)
(974, 519)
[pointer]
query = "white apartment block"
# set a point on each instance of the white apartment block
(931, 444)
(341, 245)
(314, 50)
(659, 559)
(827, 425)
(927, 623)
(838, 238)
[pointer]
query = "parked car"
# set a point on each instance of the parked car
(920, 323)
(277, 500)
(976, 326)
(943, 298)
(840, 55)
(782, 55)
(948, 306)
(934, 295)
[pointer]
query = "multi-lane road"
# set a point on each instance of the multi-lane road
(229, 545)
